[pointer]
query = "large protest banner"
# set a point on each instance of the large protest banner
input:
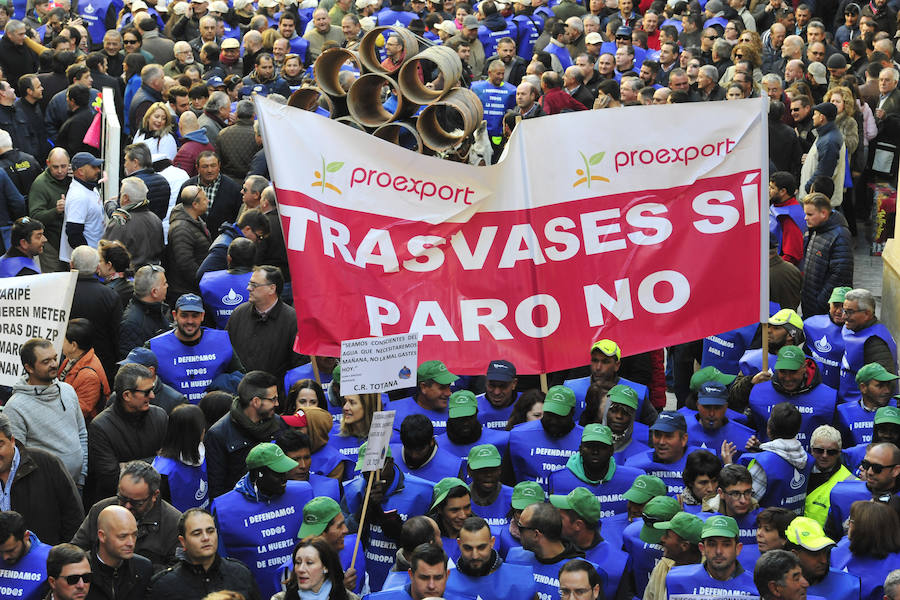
(639, 225)
(32, 306)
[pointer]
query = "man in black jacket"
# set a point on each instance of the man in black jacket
(223, 193)
(201, 570)
(14, 120)
(117, 571)
(81, 116)
(97, 303)
(515, 65)
(42, 491)
(139, 163)
(16, 58)
(147, 314)
(828, 256)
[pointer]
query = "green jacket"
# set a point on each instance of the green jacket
(42, 199)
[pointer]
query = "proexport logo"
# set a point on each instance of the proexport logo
(584, 175)
(322, 176)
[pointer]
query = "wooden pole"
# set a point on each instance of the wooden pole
(315, 367)
(544, 382)
(362, 517)
(765, 346)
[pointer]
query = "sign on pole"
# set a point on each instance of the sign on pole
(32, 306)
(379, 438)
(380, 364)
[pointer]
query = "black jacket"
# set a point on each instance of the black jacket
(140, 322)
(71, 134)
(101, 306)
(143, 98)
(158, 191)
(22, 168)
(188, 245)
(227, 447)
(785, 148)
(14, 120)
(516, 69)
(114, 437)
(35, 118)
(264, 342)
(827, 264)
(186, 581)
(225, 206)
(44, 493)
(129, 580)
(16, 60)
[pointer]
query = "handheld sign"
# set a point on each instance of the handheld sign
(379, 438)
(379, 364)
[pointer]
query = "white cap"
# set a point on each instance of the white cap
(267, 3)
(219, 7)
(138, 5)
(241, 4)
(367, 23)
(447, 26)
(593, 38)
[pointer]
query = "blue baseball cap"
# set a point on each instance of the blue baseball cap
(712, 393)
(189, 302)
(140, 356)
(85, 158)
(669, 421)
(215, 82)
(501, 370)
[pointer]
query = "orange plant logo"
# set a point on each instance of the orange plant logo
(332, 167)
(585, 174)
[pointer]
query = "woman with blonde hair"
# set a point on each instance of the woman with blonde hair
(156, 131)
(353, 429)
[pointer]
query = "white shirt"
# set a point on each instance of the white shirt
(83, 205)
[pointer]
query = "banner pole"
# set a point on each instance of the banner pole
(544, 382)
(316, 370)
(765, 347)
(362, 518)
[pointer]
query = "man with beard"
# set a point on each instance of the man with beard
(721, 572)
(680, 547)
(581, 524)
(418, 452)
(594, 468)
(480, 571)
(823, 338)
(808, 541)
(605, 363)
(796, 380)
(264, 489)
(886, 429)
(524, 494)
(209, 350)
(629, 437)
(464, 428)
(23, 558)
(250, 420)
(538, 448)
(490, 498)
(666, 461)
(451, 505)
(855, 420)
(496, 403)
(878, 470)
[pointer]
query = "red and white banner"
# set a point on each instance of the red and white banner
(637, 224)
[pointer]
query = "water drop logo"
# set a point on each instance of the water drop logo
(201, 491)
(798, 480)
(405, 373)
(232, 298)
(584, 175)
(823, 345)
(321, 176)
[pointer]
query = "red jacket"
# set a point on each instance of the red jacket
(557, 99)
(186, 157)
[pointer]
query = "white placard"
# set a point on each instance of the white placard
(379, 438)
(379, 364)
(32, 306)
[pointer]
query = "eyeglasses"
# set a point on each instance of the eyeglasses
(875, 467)
(737, 494)
(852, 311)
(253, 285)
(139, 391)
(128, 42)
(272, 399)
(798, 110)
(525, 527)
(125, 501)
(739, 56)
(73, 579)
(623, 37)
(710, 37)
(826, 451)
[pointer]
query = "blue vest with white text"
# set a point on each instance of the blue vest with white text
(853, 358)
(785, 485)
(222, 292)
(724, 350)
(26, 579)
(190, 369)
(690, 581)
(93, 14)
(496, 512)
(826, 346)
(509, 581)
(816, 408)
(610, 491)
(546, 576)
(670, 473)
(496, 100)
(644, 555)
(712, 439)
(535, 455)
(187, 484)
(492, 417)
(442, 464)
(529, 29)
(855, 423)
(408, 406)
(489, 38)
(732, 415)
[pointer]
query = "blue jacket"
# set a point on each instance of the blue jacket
(13, 205)
(223, 291)
(670, 473)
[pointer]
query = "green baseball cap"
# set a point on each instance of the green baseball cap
(887, 414)
(786, 316)
(874, 371)
(707, 374)
(644, 488)
(484, 456)
(790, 358)
(269, 455)
(720, 526)
(443, 487)
(362, 455)
(560, 400)
(336, 373)
(661, 508)
(686, 525)
(607, 347)
(838, 294)
(582, 501)
(437, 371)
(317, 514)
(527, 493)
(623, 394)
(595, 432)
(462, 404)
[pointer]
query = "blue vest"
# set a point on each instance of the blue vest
(500, 440)
(507, 542)
(633, 448)
(546, 576)
(870, 571)
(261, 535)
(746, 525)
(690, 581)
(11, 265)
(93, 13)
(751, 362)
(732, 415)
(614, 562)
(749, 555)
(442, 464)
(496, 513)
(325, 460)
(580, 387)
(408, 406)
(855, 423)
(851, 457)
(852, 361)
(409, 496)
(826, 346)
(777, 214)
(712, 440)
(644, 555)
(190, 369)
(509, 581)
(491, 417)
(489, 38)
(837, 585)
(496, 100)
(325, 486)
(348, 447)
(842, 496)
(299, 46)
(610, 491)
(223, 292)
(387, 16)
(785, 485)
(670, 473)
(816, 408)
(187, 484)
(723, 351)
(529, 29)
(535, 455)
(231, 32)
(27, 578)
